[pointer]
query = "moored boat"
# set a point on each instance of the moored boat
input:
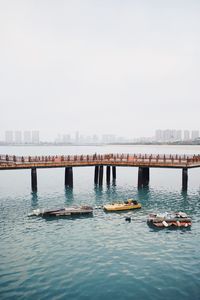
(130, 204)
(63, 212)
(173, 219)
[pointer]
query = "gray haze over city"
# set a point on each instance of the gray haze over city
(99, 67)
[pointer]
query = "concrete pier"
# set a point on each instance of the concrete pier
(143, 177)
(184, 179)
(114, 172)
(68, 177)
(108, 174)
(101, 175)
(34, 179)
(96, 174)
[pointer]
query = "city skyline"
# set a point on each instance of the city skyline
(34, 137)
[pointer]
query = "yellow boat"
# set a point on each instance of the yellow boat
(126, 205)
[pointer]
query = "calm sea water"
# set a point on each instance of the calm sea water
(99, 257)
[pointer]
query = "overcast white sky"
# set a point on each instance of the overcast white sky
(109, 66)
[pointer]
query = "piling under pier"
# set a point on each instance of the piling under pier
(34, 179)
(114, 172)
(68, 177)
(108, 174)
(101, 175)
(96, 174)
(143, 177)
(184, 179)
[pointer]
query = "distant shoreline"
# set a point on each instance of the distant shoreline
(196, 143)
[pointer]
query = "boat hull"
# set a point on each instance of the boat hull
(120, 207)
(63, 212)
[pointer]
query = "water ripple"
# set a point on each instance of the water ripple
(99, 257)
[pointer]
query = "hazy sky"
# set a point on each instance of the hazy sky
(109, 66)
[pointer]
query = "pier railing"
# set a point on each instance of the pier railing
(119, 158)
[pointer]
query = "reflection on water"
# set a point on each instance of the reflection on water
(34, 199)
(143, 193)
(69, 196)
(114, 182)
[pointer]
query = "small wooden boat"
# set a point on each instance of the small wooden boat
(126, 205)
(63, 212)
(174, 219)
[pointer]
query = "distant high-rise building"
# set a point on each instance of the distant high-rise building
(35, 137)
(18, 137)
(195, 134)
(168, 135)
(66, 138)
(27, 137)
(186, 135)
(178, 135)
(159, 135)
(9, 137)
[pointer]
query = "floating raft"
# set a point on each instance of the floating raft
(130, 204)
(63, 212)
(175, 219)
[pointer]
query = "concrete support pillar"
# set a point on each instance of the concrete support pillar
(146, 176)
(114, 172)
(96, 174)
(140, 178)
(108, 174)
(143, 177)
(69, 177)
(34, 179)
(184, 179)
(101, 175)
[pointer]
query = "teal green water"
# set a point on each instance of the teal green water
(99, 257)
